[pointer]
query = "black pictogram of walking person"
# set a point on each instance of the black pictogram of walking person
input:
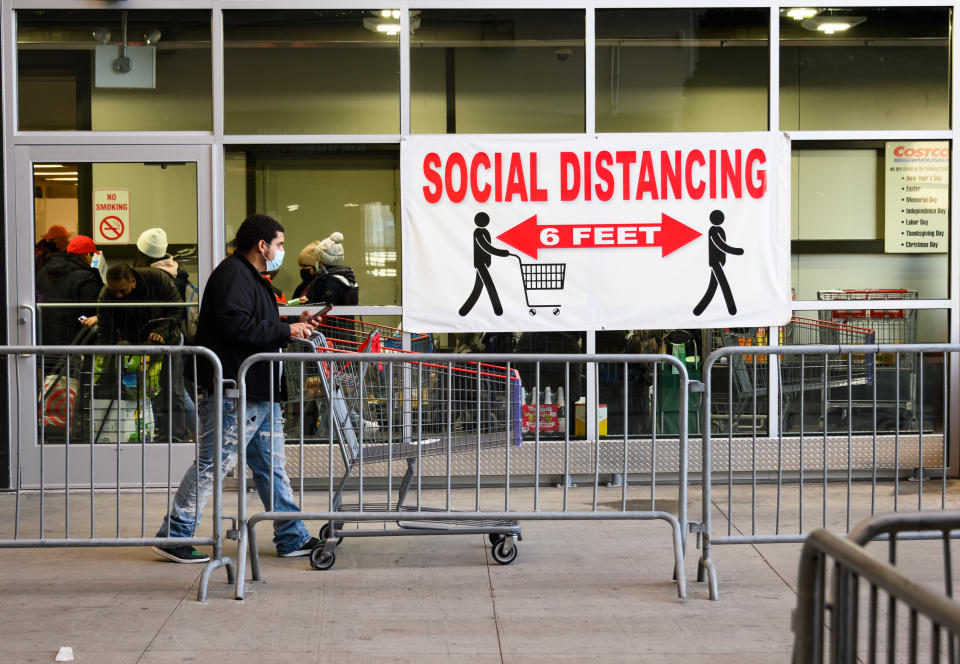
(717, 258)
(483, 251)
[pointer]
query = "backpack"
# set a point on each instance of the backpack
(335, 289)
(349, 291)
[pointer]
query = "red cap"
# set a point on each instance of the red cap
(81, 244)
(55, 232)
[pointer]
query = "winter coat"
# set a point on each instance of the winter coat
(135, 323)
(336, 285)
(171, 267)
(66, 278)
(239, 318)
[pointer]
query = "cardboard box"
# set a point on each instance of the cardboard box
(580, 418)
(133, 417)
(550, 420)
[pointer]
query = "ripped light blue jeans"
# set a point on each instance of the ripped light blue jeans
(188, 503)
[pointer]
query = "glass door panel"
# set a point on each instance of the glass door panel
(113, 253)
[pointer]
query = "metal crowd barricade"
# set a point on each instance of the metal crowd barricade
(816, 462)
(863, 623)
(390, 407)
(64, 379)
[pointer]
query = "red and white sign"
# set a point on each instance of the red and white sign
(111, 216)
(609, 231)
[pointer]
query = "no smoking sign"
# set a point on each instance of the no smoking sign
(111, 216)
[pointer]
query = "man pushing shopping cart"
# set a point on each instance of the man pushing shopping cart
(535, 276)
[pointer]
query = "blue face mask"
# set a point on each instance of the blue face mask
(276, 262)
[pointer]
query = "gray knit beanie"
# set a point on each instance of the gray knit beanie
(330, 250)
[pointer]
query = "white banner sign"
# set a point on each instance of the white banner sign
(111, 216)
(613, 231)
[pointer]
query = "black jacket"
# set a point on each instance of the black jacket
(66, 278)
(239, 318)
(336, 285)
(134, 324)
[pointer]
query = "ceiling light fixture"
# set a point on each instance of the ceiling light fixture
(48, 165)
(801, 13)
(830, 24)
(387, 21)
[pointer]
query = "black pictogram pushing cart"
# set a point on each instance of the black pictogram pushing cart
(541, 277)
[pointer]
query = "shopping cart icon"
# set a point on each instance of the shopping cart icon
(541, 277)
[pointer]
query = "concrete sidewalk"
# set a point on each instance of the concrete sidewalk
(579, 591)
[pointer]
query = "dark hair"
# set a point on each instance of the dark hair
(122, 272)
(142, 260)
(254, 228)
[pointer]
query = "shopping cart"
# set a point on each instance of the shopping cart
(896, 373)
(358, 331)
(404, 411)
(749, 375)
(541, 277)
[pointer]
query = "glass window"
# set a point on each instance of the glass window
(865, 68)
(330, 71)
(74, 73)
(316, 192)
(496, 71)
(646, 411)
(853, 382)
(839, 225)
(682, 69)
(88, 219)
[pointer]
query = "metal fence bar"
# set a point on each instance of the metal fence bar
(850, 563)
(441, 402)
(35, 358)
(850, 378)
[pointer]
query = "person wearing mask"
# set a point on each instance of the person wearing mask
(308, 269)
(55, 240)
(68, 277)
(239, 318)
(141, 323)
(335, 283)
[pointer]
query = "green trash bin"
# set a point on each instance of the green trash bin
(669, 389)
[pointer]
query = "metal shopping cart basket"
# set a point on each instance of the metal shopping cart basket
(749, 375)
(897, 374)
(404, 411)
(541, 277)
(358, 331)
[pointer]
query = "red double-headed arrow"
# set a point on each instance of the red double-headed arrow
(529, 237)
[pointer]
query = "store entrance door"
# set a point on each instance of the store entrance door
(81, 210)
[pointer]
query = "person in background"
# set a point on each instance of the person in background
(239, 318)
(53, 241)
(277, 293)
(335, 282)
(308, 269)
(146, 324)
(68, 277)
(152, 252)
